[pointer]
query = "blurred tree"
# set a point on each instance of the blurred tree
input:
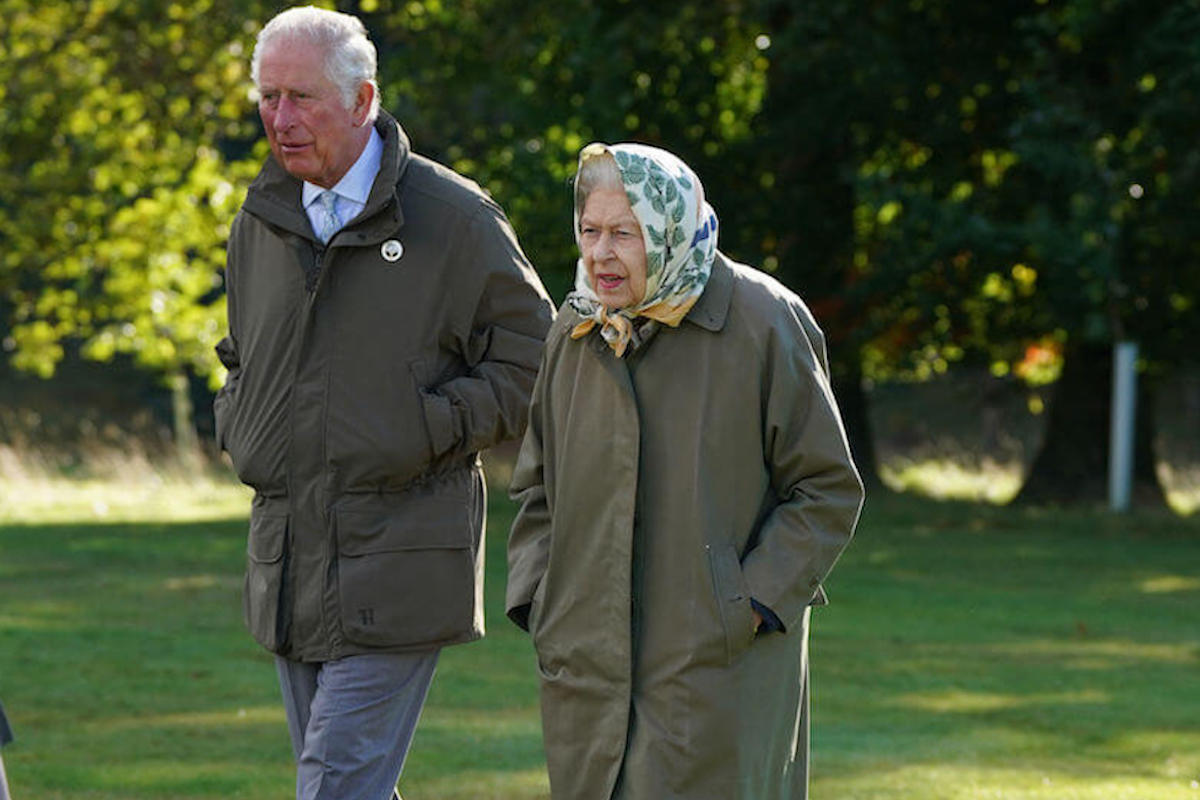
(508, 92)
(1018, 180)
(517, 91)
(1008, 182)
(115, 198)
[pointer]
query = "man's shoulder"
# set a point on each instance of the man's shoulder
(428, 180)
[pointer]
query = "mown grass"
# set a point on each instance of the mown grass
(969, 652)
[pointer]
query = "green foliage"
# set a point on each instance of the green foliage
(941, 181)
(1030, 180)
(116, 195)
(509, 92)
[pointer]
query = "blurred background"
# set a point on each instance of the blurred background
(978, 200)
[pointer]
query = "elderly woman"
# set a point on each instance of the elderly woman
(685, 487)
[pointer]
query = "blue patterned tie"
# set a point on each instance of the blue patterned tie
(329, 220)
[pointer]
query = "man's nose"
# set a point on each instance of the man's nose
(285, 114)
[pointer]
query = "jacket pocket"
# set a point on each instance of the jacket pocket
(442, 423)
(407, 573)
(733, 599)
(221, 417)
(262, 605)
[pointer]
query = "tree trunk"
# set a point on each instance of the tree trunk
(187, 441)
(1071, 467)
(852, 402)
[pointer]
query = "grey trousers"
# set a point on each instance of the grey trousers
(352, 721)
(3, 782)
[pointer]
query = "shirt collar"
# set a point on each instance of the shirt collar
(357, 182)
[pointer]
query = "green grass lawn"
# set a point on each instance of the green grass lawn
(969, 652)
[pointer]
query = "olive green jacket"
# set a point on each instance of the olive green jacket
(659, 494)
(361, 388)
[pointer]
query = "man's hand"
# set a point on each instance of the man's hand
(758, 620)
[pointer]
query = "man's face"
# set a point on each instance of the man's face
(312, 133)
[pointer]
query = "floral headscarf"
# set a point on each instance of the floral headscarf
(680, 233)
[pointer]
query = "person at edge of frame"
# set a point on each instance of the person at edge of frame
(6, 736)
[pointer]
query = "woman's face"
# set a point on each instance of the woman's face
(614, 254)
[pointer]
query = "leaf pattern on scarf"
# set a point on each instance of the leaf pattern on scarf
(680, 238)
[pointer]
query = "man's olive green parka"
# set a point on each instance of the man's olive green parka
(660, 493)
(364, 378)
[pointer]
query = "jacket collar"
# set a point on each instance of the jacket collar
(275, 195)
(712, 308)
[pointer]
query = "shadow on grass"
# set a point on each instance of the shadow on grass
(963, 644)
(1036, 641)
(127, 673)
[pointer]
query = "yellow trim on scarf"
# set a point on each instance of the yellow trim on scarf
(622, 326)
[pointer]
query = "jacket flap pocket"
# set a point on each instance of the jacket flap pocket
(362, 533)
(267, 536)
(438, 514)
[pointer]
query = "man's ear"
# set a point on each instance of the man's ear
(362, 103)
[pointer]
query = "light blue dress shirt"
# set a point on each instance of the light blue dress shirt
(352, 190)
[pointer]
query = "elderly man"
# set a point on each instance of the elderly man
(384, 327)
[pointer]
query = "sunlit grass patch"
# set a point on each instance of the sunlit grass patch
(1182, 485)
(112, 486)
(942, 781)
(969, 651)
(951, 701)
(948, 479)
(998, 483)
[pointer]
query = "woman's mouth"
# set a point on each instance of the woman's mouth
(609, 281)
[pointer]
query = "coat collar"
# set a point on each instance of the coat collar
(712, 308)
(709, 312)
(275, 195)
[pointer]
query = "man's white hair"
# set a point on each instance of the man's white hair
(350, 58)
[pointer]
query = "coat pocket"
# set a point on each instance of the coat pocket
(221, 410)
(733, 599)
(443, 427)
(406, 579)
(266, 561)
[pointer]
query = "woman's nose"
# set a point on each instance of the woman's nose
(604, 245)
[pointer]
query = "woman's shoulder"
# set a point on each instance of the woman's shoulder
(772, 315)
(565, 320)
(759, 295)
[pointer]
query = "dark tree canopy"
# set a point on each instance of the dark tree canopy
(1009, 183)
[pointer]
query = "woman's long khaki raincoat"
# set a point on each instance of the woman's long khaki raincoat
(660, 493)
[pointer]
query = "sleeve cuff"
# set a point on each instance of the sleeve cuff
(770, 621)
(520, 616)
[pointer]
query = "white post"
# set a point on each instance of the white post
(1121, 431)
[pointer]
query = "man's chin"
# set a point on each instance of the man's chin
(300, 167)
